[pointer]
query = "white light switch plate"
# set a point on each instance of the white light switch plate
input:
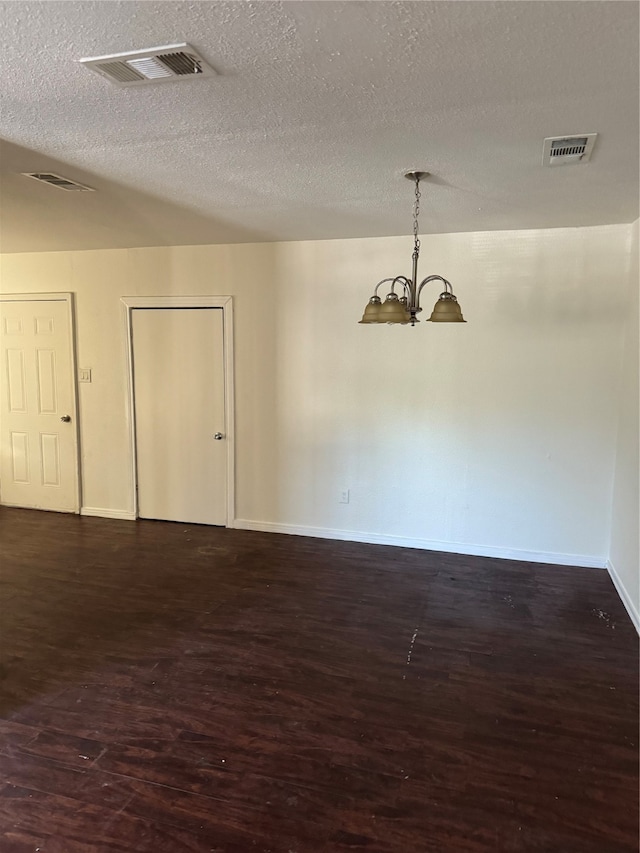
(84, 374)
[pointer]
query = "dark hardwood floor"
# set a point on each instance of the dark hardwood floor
(168, 687)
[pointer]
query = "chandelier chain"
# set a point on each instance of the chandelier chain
(416, 214)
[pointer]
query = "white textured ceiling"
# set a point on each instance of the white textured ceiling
(318, 109)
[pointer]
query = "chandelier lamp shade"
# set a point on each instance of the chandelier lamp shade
(402, 302)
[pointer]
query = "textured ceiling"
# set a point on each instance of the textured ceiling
(317, 109)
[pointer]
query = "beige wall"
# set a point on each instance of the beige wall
(497, 436)
(625, 541)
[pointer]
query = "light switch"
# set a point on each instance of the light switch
(84, 374)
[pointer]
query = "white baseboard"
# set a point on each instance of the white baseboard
(624, 595)
(98, 512)
(424, 544)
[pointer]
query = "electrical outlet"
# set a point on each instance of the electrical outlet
(344, 496)
(84, 374)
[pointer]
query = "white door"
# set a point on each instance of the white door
(38, 434)
(179, 400)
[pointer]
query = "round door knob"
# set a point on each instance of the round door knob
(66, 419)
(218, 436)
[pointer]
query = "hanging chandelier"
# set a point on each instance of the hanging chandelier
(403, 307)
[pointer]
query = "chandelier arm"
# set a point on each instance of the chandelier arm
(384, 280)
(405, 282)
(433, 278)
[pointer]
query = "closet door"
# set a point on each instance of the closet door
(179, 398)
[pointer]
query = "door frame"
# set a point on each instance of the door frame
(68, 298)
(129, 304)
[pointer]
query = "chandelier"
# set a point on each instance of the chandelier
(403, 307)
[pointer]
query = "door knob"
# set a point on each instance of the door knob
(66, 419)
(218, 436)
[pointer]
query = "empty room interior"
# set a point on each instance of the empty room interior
(271, 580)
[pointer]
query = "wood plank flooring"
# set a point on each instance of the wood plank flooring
(168, 688)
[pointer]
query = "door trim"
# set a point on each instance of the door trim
(129, 303)
(67, 297)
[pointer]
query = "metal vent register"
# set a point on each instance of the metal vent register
(58, 181)
(565, 150)
(153, 65)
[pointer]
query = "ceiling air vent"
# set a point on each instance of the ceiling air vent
(58, 181)
(141, 67)
(566, 150)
